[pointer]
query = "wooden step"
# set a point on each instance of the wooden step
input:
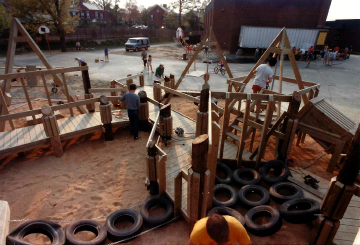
(235, 137)
(239, 119)
(236, 127)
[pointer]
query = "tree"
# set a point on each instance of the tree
(132, 10)
(184, 5)
(170, 20)
(4, 18)
(53, 13)
(103, 4)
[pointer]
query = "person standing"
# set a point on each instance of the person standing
(218, 229)
(78, 45)
(159, 73)
(149, 64)
(326, 56)
(346, 50)
(132, 105)
(257, 54)
(310, 56)
(302, 52)
(333, 57)
(144, 58)
(350, 50)
(106, 51)
(263, 75)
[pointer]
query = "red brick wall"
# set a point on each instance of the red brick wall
(227, 20)
(157, 21)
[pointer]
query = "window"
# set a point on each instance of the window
(96, 15)
(157, 11)
(88, 15)
(82, 15)
(73, 14)
(163, 17)
(101, 15)
(152, 17)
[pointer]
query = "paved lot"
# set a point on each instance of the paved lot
(340, 84)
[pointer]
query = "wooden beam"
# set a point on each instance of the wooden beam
(213, 37)
(243, 131)
(292, 80)
(67, 92)
(21, 39)
(27, 96)
(3, 104)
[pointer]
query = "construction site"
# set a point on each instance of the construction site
(284, 162)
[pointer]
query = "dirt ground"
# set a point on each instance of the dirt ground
(95, 178)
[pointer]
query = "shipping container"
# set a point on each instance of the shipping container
(262, 37)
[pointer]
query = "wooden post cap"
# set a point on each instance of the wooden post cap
(142, 94)
(103, 100)
(46, 110)
(167, 79)
(129, 75)
(172, 76)
(200, 139)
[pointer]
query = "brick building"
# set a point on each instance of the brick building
(344, 33)
(227, 16)
(156, 16)
(91, 13)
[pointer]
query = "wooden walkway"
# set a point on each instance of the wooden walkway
(27, 138)
(350, 224)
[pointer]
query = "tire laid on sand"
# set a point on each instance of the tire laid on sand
(86, 225)
(267, 229)
(154, 201)
(265, 196)
(115, 234)
(227, 211)
(311, 208)
(256, 176)
(279, 167)
(48, 228)
(225, 188)
(229, 175)
(277, 197)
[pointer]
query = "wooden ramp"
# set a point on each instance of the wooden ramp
(27, 138)
(350, 224)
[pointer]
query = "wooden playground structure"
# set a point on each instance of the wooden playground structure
(187, 174)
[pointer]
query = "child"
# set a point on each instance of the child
(326, 56)
(149, 64)
(106, 50)
(333, 57)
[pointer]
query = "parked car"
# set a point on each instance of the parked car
(137, 43)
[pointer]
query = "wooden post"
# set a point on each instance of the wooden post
(128, 82)
(339, 194)
(202, 113)
(46, 90)
(106, 117)
(177, 194)
(166, 121)
(115, 102)
(27, 97)
(157, 92)
(91, 106)
(151, 163)
(87, 86)
(3, 103)
(67, 92)
(167, 84)
(161, 173)
(196, 183)
(141, 80)
(143, 112)
(172, 81)
(52, 130)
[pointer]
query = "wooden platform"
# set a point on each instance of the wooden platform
(27, 138)
(350, 224)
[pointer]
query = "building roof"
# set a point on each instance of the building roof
(162, 7)
(91, 6)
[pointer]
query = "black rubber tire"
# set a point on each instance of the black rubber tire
(223, 72)
(301, 216)
(136, 49)
(227, 171)
(278, 166)
(265, 196)
(266, 229)
(216, 70)
(256, 180)
(48, 228)
(54, 90)
(297, 192)
(227, 211)
(153, 201)
(212, 99)
(115, 234)
(86, 225)
(233, 197)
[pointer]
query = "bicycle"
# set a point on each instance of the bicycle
(219, 68)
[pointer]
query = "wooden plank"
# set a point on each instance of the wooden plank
(325, 232)
(46, 90)
(343, 203)
(243, 131)
(317, 227)
(4, 110)
(161, 173)
(306, 187)
(27, 96)
(67, 92)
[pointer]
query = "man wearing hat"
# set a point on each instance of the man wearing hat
(160, 71)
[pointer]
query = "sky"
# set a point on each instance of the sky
(339, 9)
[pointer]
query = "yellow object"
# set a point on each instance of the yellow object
(297, 52)
(199, 235)
(321, 38)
